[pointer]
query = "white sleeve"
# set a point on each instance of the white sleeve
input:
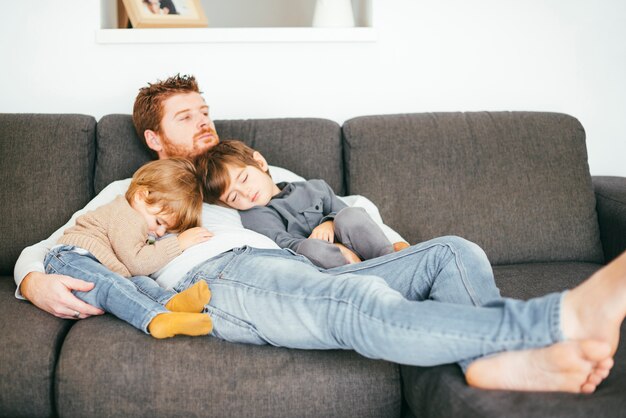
(31, 258)
(281, 174)
(372, 211)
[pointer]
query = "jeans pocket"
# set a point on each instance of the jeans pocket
(229, 328)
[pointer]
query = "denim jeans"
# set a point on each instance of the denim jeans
(112, 293)
(421, 306)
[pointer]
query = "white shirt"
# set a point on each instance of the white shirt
(224, 223)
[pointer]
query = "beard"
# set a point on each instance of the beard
(198, 146)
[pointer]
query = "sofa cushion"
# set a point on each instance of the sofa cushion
(516, 183)
(308, 147)
(29, 345)
(442, 392)
(107, 368)
(46, 166)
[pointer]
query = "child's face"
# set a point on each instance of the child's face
(249, 186)
(158, 223)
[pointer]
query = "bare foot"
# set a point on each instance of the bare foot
(596, 308)
(570, 366)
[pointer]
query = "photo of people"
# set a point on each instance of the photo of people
(164, 7)
(164, 13)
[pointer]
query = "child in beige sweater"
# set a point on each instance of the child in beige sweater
(120, 241)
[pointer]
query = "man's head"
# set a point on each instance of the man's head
(234, 174)
(168, 194)
(172, 118)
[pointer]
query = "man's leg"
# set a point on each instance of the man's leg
(290, 303)
(446, 269)
(594, 311)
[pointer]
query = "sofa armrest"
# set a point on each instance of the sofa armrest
(611, 207)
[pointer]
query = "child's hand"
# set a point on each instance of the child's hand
(400, 245)
(193, 236)
(324, 231)
(348, 254)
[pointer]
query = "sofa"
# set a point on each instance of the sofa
(516, 183)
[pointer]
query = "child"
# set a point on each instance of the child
(306, 217)
(110, 244)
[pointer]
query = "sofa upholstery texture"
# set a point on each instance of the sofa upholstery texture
(516, 183)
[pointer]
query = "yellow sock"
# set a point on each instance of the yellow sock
(190, 300)
(168, 324)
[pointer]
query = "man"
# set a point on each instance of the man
(430, 304)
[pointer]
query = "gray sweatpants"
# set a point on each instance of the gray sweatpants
(357, 231)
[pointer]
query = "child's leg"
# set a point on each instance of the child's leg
(356, 230)
(118, 295)
(322, 253)
(180, 323)
(191, 300)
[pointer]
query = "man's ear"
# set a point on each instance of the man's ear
(260, 161)
(153, 140)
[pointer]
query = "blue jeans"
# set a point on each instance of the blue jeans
(135, 301)
(420, 306)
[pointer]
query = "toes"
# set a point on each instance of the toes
(594, 379)
(587, 388)
(605, 364)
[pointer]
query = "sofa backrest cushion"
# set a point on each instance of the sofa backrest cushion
(516, 183)
(46, 172)
(308, 147)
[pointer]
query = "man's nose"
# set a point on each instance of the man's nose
(203, 120)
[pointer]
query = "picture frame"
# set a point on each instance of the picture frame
(165, 13)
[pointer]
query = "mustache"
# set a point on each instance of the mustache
(204, 132)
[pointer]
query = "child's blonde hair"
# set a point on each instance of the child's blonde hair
(213, 171)
(172, 184)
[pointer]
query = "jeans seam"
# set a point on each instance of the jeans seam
(463, 271)
(429, 333)
(399, 255)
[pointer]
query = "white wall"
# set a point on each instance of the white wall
(431, 55)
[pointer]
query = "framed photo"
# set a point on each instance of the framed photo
(165, 13)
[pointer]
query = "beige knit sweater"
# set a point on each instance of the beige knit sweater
(116, 235)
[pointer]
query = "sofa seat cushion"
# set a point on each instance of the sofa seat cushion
(442, 391)
(30, 342)
(516, 183)
(108, 368)
(307, 146)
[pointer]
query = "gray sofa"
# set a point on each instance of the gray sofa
(517, 183)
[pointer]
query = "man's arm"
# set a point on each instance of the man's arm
(52, 292)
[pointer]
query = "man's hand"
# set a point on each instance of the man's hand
(324, 231)
(193, 236)
(53, 294)
(348, 254)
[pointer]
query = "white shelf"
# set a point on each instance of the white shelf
(241, 35)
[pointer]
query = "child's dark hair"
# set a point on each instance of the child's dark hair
(213, 171)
